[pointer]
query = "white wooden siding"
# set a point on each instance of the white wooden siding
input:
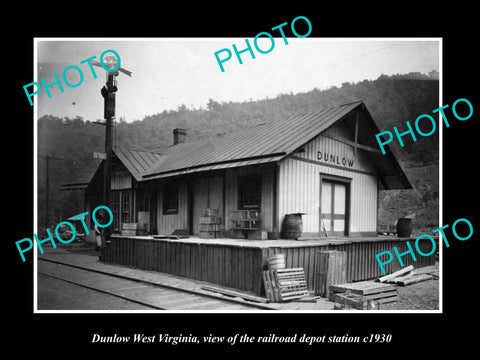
(299, 184)
(167, 223)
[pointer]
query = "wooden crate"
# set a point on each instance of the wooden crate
(331, 269)
(210, 220)
(207, 227)
(369, 290)
(285, 284)
(207, 235)
(237, 234)
(257, 235)
(211, 234)
(349, 301)
(129, 226)
(211, 212)
(129, 232)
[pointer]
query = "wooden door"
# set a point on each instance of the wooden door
(207, 193)
(334, 208)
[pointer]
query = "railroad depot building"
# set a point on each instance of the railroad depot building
(232, 195)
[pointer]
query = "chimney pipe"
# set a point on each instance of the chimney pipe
(179, 136)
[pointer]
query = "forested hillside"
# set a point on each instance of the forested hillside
(391, 100)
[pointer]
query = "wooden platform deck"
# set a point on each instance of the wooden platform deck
(238, 263)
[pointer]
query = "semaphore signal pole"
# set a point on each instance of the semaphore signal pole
(108, 92)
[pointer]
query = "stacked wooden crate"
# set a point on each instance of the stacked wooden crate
(360, 293)
(247, 224)
(129, 229)
(135, 229)
(211, 224)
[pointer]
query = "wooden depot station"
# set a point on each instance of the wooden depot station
(294, 186)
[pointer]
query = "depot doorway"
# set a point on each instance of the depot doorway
(334, 206)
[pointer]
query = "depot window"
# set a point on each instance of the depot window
(250, 192)
(170, 200)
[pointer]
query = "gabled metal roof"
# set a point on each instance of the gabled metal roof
(137, 162)
(262, 143)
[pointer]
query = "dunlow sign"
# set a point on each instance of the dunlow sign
(335, 159)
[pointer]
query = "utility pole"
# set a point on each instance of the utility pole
(108, 92)
(47, 182)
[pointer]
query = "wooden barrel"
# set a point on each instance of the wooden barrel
(404, 227)
(276, 261)
(292, 226)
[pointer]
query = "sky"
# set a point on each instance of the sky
(169, 72)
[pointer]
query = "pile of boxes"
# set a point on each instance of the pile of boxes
(211, 224)
(247, 224)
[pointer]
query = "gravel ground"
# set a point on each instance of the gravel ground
(420, 296)
(59, 295)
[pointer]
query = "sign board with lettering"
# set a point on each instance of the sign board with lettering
(99, 155)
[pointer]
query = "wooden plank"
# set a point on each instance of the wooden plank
(415, 279)
(178, 258)
(198, 264)
(201, 251)
(185, 260)
(221, 265)
(274, 282)
(248, 270)
(234, 267)
(382, 295)
(402, 277)
(395, 274)
(214, 264)
(257, 270)
(191, 261)
(210, 264)
(228, 267)
(241, 268)
(363, 288)
(267, 286)
(233, 293)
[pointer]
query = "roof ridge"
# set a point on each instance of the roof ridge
(137, 150)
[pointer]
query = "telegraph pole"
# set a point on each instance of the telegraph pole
(108, 93)
(47, 183)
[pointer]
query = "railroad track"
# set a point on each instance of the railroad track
(153, 295)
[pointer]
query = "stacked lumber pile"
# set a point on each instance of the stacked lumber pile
(285, 284)
(363, 294)
(405, 277)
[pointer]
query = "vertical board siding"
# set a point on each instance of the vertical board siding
(299, 186)
(267, 200)
(167, 223)
(121, 179)
(240, 267)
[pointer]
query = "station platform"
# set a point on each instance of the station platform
(84, 255)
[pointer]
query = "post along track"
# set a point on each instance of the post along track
(146, 293)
